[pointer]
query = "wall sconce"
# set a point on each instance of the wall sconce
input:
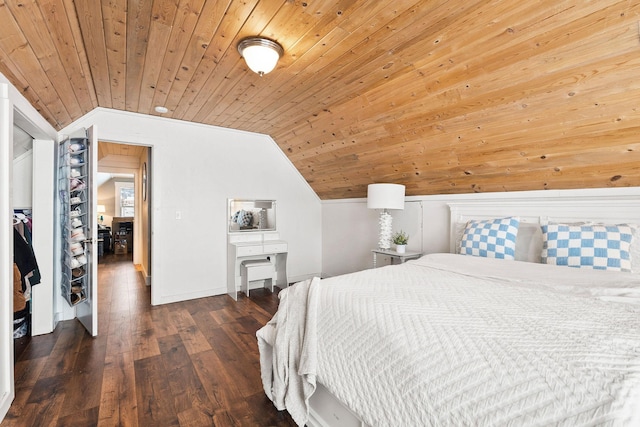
(385, 196)
(260, 54)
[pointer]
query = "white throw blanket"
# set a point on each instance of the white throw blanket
(288, 352)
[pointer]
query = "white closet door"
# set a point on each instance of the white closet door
(87, 310)
(77, 225)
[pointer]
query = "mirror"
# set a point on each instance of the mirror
(252, 215)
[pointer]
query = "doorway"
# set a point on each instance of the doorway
(124, 204)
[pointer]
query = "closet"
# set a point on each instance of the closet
(27, 156)
(25, 272)
(25, 268)
(32, 162)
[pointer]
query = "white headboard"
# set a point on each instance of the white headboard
(534, 211)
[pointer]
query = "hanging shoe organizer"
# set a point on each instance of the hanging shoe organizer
(72, 179)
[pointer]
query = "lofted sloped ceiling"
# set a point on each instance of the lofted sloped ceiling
(444, 96)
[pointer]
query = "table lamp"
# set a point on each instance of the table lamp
(385, 196)
(101, 210)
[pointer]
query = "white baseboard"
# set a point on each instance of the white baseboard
(5, 402)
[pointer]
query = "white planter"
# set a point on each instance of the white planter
(401, 249)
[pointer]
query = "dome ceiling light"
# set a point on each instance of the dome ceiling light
(260, 54)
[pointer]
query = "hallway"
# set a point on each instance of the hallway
(192, 363)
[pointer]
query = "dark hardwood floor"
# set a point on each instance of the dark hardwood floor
(193, 363)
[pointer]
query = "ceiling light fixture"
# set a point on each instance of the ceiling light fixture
(160, 109)
(260, 54)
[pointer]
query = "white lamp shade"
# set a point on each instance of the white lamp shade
(385, 196)
(101, 209)
(261, 55)
(260, 59)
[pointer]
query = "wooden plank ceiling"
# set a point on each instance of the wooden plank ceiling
(106, 149)
(444, 96)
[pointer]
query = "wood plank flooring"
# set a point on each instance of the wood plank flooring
(193, 363)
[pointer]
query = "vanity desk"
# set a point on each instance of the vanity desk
(274, 251)
(254, 249)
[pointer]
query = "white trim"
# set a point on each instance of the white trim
(598, 193)
(7, 390)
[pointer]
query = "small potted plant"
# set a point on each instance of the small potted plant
(400, 239)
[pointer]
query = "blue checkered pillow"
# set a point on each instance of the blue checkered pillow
(491, 238)
(601, 247)
(243, 218)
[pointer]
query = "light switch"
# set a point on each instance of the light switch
(178, 215)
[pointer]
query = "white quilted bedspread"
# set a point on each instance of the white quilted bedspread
(453, 341)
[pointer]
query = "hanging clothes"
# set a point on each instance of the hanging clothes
(19, 303)
(21, 318)
(25, 273)
(24, 257)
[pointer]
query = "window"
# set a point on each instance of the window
(125, 201)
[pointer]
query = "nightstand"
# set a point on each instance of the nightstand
(394, 255)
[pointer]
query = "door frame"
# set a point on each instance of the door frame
(138, 183)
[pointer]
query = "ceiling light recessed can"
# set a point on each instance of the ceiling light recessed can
(160, 109)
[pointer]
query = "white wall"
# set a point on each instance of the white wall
(195, 169)
(23, 180)
(349, 229)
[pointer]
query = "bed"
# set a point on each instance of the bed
(453, 339)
